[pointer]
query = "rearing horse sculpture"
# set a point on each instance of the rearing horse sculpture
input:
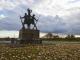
(28, 19)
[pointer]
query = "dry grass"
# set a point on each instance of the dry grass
(41, 52)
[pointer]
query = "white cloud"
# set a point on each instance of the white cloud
(2, 16)
(68, 10)
(7, 4)
(44, 7)
(11, 4)
(55, 7)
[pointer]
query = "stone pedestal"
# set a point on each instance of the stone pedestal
(28, 35)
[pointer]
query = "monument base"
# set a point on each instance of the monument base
(29, 36)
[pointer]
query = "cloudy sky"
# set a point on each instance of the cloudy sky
(58, 16)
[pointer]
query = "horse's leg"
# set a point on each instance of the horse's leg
(35, 26)
(23, 27)
(28, 26)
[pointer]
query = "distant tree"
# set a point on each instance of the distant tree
(70, 36)
(49, 35)
(56, 36)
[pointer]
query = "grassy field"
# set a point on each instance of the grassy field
(41, 52)
(60, 42)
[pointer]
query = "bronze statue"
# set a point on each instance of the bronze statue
(33, 19)
(23, 27)
(29, 12)
(28, 19)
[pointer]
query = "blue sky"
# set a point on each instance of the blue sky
(59, 16)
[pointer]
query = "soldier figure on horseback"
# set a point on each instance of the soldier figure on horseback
(28, 19)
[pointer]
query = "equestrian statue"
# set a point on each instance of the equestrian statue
(29, 19)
